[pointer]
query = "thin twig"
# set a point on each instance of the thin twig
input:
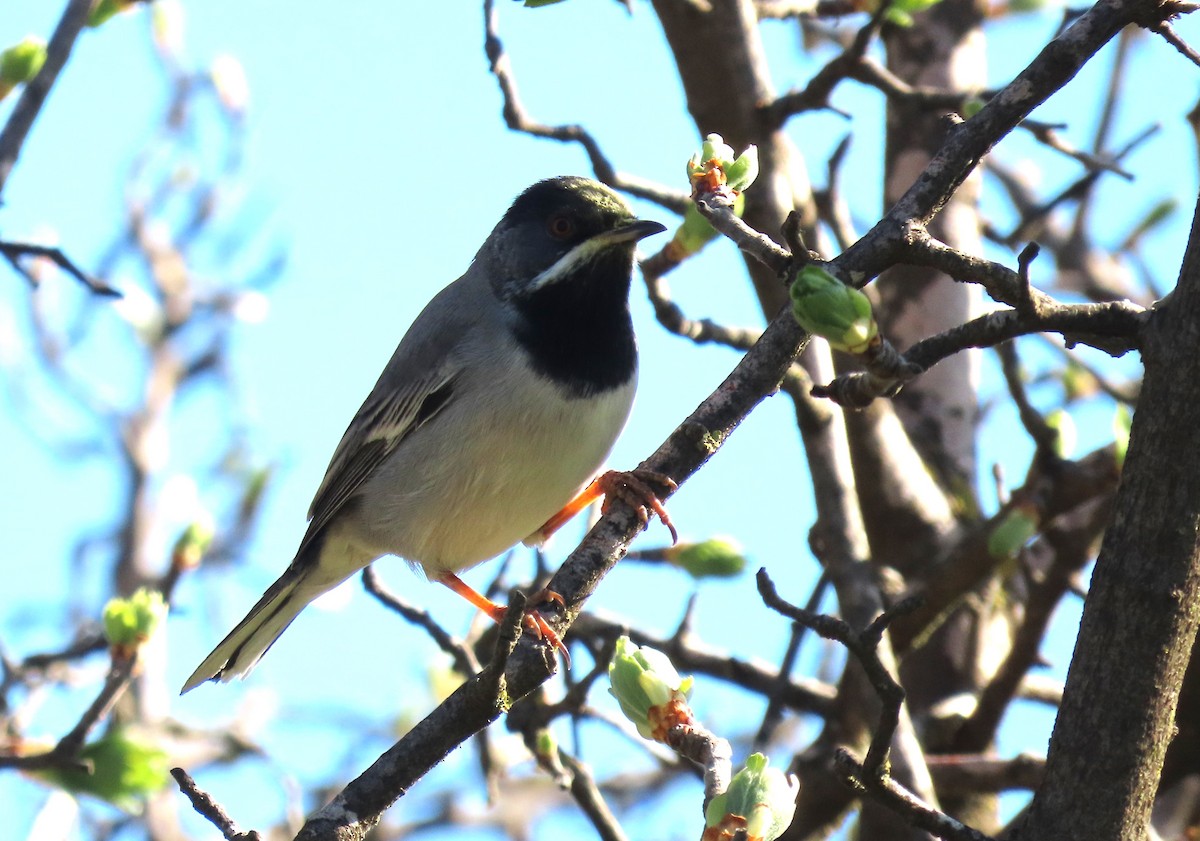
(591, 801)
(1045, 437)
(785, 9)
(1113, 327)
(774, 712)
(864, 646)
(1175, 40)
(815, 94)
(831, 203)
(872, 73)
(210, 809)
(89, 643)
(905, 803)
(464, 658)
(717, 208)
(66, 752)
(517, 119)
(1048, 135)
(14, 251)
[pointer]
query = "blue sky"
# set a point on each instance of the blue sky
(377, 157)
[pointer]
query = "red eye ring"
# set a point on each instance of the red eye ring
(561, 226)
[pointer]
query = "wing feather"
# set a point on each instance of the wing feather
(383, 422)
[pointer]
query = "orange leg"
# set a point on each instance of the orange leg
(531, 622)
(631, 487)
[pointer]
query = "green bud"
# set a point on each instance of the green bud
(1030, 5)
(130, 622)
(545, 744)
(714, 147)
(713, 558)
(125, 771)
(716, 165)
(972, 107)
(649, 690)
(102, 10)
(744, 169)
(828, 308)
(1078, 382)
(252, 492)
(1122, 421)
(22, 61)
(533, 4)
(760, 800)
(901, 11)
(1011, 534)
(1061, 422)
(194, 542)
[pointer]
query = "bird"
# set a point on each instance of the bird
(491, 422)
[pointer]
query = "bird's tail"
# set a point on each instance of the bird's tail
(248, 642)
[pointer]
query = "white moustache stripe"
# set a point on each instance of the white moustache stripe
(573, 259)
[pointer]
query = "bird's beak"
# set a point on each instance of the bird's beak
(639, 229)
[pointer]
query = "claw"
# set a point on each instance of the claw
(532, 621)
(633, 488)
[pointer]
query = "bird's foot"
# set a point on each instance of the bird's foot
(630, 486)
(532, 622)
(633, 488)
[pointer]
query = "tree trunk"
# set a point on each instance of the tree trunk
(1142, 611)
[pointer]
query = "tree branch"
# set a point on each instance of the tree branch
(58, 50)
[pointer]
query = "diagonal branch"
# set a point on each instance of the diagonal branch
(14, 251)
(12, 137)
(968, 142)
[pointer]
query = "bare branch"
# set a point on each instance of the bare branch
(58, 50)
(690, 655)
(1175, 40)
(968, 142)
(517, 119)
(14, 251)
(464, 657)
(864, 646)
(1044, 436)
(890, 793)
(717, 208)
(66, 752)
(815, 94)
(591, 801)
(774, 712)
(210, 809)
(959, 775)
(870, 72)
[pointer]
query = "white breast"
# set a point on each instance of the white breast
(505, 455)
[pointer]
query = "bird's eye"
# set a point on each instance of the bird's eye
(561, 226)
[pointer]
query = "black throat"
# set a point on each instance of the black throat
(577, 329)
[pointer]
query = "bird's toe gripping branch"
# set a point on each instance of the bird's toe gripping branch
(532, 621)
(633, 487)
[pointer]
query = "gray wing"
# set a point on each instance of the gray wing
(418, 382)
